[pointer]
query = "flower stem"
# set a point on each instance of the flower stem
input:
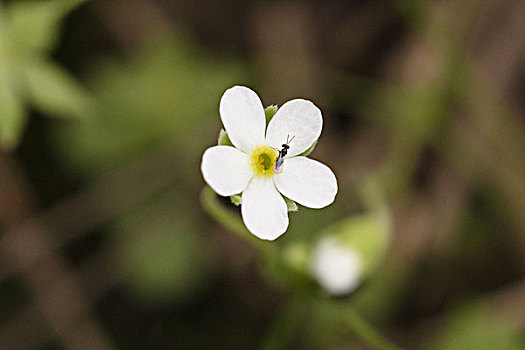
(286, 324)
(227, 218)
(366, 332)
(361, 328)
(291, 314)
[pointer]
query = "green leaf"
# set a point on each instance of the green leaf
(12, 115)
(55, 92)
(482, 328)
(160, 252)
(35, 24)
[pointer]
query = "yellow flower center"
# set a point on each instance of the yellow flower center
(263, 160)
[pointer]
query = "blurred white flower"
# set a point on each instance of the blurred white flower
(250, 167)
(336, 267)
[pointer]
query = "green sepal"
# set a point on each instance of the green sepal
(224, 139)
(309, 150)
(290, 204)
(269, 112)
(236, 199)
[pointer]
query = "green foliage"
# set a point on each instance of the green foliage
(161, 256)
(417, 113)
(12, 114)
(165, 92)
(54, 91)
(28, 32)
(477, 326)
(34, 25)
(296, 256)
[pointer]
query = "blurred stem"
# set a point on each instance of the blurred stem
(365, 331)
(287, 322)
(361, 328)
(211, 204)
(292, 312)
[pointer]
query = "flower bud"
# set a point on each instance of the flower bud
(350, 251)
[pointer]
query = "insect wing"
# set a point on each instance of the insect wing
(278, 167)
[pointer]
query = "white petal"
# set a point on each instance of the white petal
(242, 115)
(336, 267)
(263, 209)
(307, 181)
(298, 118)
(226, 169)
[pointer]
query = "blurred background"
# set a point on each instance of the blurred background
(107, 106)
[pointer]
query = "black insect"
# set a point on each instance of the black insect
(282, 153)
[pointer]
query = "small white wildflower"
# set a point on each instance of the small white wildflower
(337, 267)
(250, 166)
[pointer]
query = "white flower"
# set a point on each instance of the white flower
(337, 267)
(249, 166)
